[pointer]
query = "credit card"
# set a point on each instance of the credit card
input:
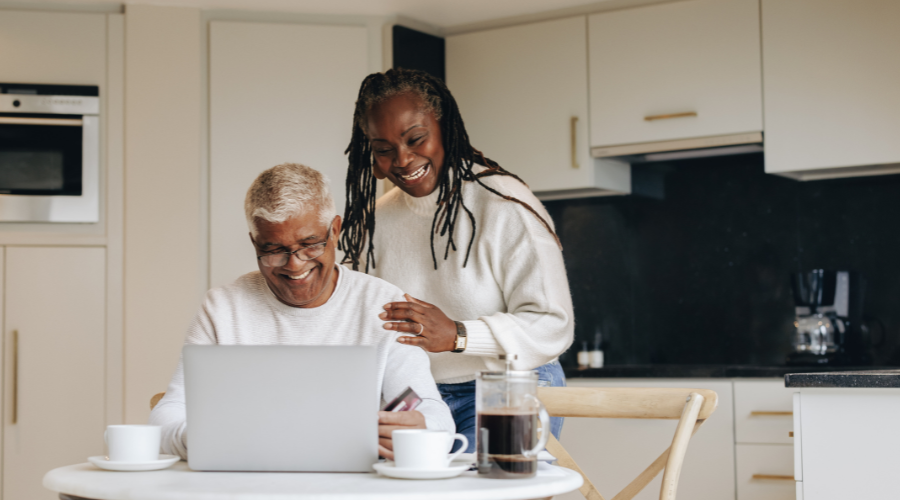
(407, 400)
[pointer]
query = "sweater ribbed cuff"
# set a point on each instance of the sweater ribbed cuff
(481, 341)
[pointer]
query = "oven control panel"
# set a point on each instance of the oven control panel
(49, 104)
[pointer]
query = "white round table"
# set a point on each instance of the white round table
(180, 483)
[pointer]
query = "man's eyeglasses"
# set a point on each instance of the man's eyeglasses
(308, 252)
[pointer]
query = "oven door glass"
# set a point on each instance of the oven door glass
(37, 158)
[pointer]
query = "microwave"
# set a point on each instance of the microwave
(49, 153)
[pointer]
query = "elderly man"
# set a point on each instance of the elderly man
(300, 296)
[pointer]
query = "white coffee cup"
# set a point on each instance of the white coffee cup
(425, 449)
(132, 443)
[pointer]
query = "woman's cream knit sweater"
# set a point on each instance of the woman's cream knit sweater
(513, 295)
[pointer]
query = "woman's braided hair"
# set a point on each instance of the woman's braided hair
(459, 158)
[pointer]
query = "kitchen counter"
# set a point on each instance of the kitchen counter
(730, 371)
(846, 379)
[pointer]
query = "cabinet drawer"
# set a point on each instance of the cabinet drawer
(765, 472)
(763, 412)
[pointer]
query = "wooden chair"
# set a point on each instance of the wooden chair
(690, 406)
(155, 399)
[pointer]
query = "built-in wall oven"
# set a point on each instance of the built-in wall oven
(49, 153)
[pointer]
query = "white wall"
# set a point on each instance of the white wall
(275, 99)
(164, 277)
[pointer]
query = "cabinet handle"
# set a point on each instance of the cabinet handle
(15, 376)
(669, 116)
(765, 477)
(572, 126)
(63, 122)
(771, 413)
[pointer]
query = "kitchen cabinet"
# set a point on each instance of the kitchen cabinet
(687, 73)
(764, 452)
(523, 93)
(277, 93)
(49, 46)
(62, 48)
(612, 452)
(847, 440)
(832, 99)
(54, 363)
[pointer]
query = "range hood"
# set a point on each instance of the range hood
(720, 145)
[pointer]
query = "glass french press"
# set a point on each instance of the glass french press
(508, 411)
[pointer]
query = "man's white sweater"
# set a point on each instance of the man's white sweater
(246, 312)
(513, 295)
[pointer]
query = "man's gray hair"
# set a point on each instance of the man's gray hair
(286, 191)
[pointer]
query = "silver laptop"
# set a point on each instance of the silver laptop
(281, 408)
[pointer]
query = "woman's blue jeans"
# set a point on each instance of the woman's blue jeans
(461, 400)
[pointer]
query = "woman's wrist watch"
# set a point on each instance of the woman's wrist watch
(461, 339)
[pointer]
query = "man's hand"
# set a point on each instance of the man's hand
(434, 331)
(389, 421)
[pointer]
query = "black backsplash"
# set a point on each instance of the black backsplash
(698, 270)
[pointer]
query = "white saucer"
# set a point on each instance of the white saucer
(389, 469)
(163, 462)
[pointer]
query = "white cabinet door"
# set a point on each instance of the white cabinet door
(695, 56)
(3, 366)
(53, 48)
(612, 452)
(763, 412)
(55, 379)
(278, 93)
(831, 85)
(849, 443)
(518, 89)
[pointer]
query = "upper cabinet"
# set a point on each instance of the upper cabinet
(685, 75)
(832, 87)
(675, 72)
(53, 48)
(523, 94)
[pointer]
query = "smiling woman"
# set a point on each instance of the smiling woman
(503, 291)
(399, 118)
(406, 144)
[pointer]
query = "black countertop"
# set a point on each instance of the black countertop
(724, 371)
(849, 379)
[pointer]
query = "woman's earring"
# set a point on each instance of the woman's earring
(377, 173)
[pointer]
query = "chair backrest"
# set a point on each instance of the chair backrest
(155, 399)
(690, 406)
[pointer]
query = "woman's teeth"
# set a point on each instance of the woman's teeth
(415, 175)
(299, 277)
